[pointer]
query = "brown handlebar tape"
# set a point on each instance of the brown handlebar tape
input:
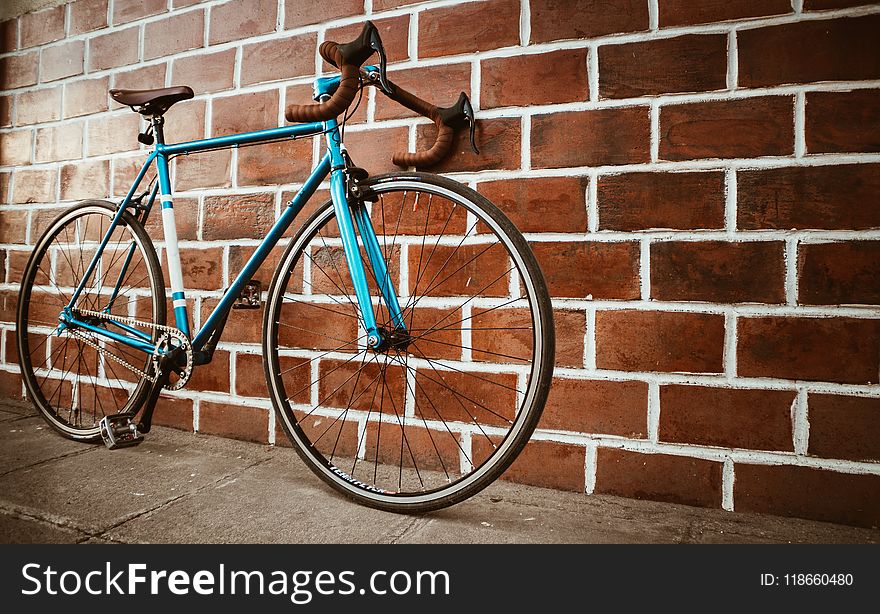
(331, 53)
(342, 97)
(445, 133)
(431, 157)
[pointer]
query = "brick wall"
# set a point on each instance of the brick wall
(699, 179)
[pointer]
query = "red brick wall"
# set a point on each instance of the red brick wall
(700, 181)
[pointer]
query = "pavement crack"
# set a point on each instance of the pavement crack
(150, 511)
(49, 460)
(26, 513)
(416, 524)
(19, 418)
(690, 533)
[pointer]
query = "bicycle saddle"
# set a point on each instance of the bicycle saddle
(152, 102)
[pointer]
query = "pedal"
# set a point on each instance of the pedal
(118, 431)
(249, 298)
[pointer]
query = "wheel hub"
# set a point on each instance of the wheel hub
(397, 339)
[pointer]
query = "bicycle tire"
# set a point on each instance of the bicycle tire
(113, 384)
(300, 424)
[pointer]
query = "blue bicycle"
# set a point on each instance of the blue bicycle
(408, 338)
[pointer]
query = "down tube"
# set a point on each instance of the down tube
(272, 237)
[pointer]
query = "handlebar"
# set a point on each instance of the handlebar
(348, 58)
(447, 119)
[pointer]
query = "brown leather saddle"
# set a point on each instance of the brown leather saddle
(152, 102)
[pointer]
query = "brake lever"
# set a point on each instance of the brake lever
(377, 46)
(460, 113)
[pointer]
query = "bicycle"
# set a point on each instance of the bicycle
(425, 368)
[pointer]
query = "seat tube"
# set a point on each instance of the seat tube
(349, 238)
(172, 251)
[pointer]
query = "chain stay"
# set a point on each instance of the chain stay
(88, 341)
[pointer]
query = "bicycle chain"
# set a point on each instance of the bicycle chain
(167, 333)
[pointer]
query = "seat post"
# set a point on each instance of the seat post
(158, 122)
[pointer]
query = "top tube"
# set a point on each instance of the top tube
(243, 138)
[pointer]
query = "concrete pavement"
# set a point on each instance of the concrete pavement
(192, 488)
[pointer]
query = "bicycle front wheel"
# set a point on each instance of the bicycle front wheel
(435, 417)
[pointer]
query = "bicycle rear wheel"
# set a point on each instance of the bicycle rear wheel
(72, 382)
(429, 421)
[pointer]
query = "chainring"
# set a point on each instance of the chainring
(163, 345)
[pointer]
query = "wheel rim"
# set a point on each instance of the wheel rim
(73, 383)
(433, 448)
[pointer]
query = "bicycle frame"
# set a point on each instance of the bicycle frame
(348, 217)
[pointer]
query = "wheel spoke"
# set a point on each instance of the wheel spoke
(448, 277)
(470, 374)
(440, 418)
(433, 250)
(424, 421)
(333, 370)
(472, 349)
(319, 306)
(345, 292)
(344, 414)
(433, 329)
(336, 349)
(310, 331)
(458, 396)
